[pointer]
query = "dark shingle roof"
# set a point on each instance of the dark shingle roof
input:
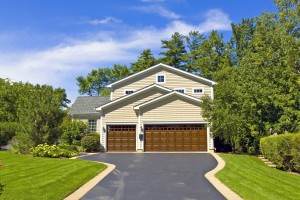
(87, 104)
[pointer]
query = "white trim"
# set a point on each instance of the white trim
(166, 66)
(208, 138)
(166, 96)
(184, 90)
(174, 122)
(125, 90)
(138, 129)
(111, 93)
(101, 128)
(198, 88)
(120, 123)
(132, 94)
(165, 77)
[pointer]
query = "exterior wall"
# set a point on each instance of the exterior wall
(172, 109)
(123, 112)
(173, 80)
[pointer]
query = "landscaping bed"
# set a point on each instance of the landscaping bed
(249, 177)
(26, 177)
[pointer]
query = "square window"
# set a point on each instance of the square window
(92, 125)
(161, 79)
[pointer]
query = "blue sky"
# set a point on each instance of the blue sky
(54, 41)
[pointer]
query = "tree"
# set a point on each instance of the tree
(175, 49)
(40, 113)
(96, 81)
(145, 60)
(213, 55)
(193, 41)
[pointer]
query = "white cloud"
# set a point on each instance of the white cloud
(157, 9)
(107, 20)
(60, 65)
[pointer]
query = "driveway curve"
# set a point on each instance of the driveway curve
(155, 176)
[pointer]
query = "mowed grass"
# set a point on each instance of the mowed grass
(249, 177)
(26, 177)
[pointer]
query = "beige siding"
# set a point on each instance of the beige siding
(172, 109)
(173, 80)
(123, 111)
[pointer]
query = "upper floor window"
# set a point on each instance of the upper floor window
(160, 78)
(128, 92)
(197, 91)
(92, 125)
(181, 90)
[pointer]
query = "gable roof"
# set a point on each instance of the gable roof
(165, 66)
(87, 104)
(99, 108)
(165, 96)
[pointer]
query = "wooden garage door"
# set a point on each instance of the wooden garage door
(121, 138)
(186, 137)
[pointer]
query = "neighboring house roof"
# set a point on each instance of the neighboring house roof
(165, 66)
(87, 104)
(165, 96)
(133, 94)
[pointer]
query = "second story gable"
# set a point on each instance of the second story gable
(166, 76)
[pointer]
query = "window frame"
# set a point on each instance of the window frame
(127, 90)
(184, 90)
(165, 78)
(193, 90)
(92, 127)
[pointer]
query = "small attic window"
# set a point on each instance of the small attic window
(160, 78)
(126, 92)
(197, 91)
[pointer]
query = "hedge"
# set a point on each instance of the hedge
(283, 150)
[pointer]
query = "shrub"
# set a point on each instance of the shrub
(53, 151)
(91, 143)
(283, 150)
(73, 130)
(7, 131)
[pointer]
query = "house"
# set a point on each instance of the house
(157, 109)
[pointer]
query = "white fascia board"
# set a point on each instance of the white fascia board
(164, 65)
(132, 94)
(166, 96)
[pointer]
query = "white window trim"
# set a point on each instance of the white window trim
(128, 90)
(184, 90)
(165, 78)
(197, 89)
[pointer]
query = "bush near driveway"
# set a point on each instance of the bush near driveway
(91, 143)
(283, 150)
(53, 151)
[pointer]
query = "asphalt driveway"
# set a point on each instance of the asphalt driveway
(155, 176)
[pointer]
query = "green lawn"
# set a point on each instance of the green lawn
(26, 177)
(252, 179)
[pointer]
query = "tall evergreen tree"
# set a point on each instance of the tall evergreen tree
(145, 60)
(175, 50)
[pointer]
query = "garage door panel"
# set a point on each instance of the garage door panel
(121, 138)
(189, 137)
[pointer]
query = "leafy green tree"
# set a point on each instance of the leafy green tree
(175, 50)
(95, 82)
(213, 55)
(145, 60)
(73, 130)
(193, 42)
